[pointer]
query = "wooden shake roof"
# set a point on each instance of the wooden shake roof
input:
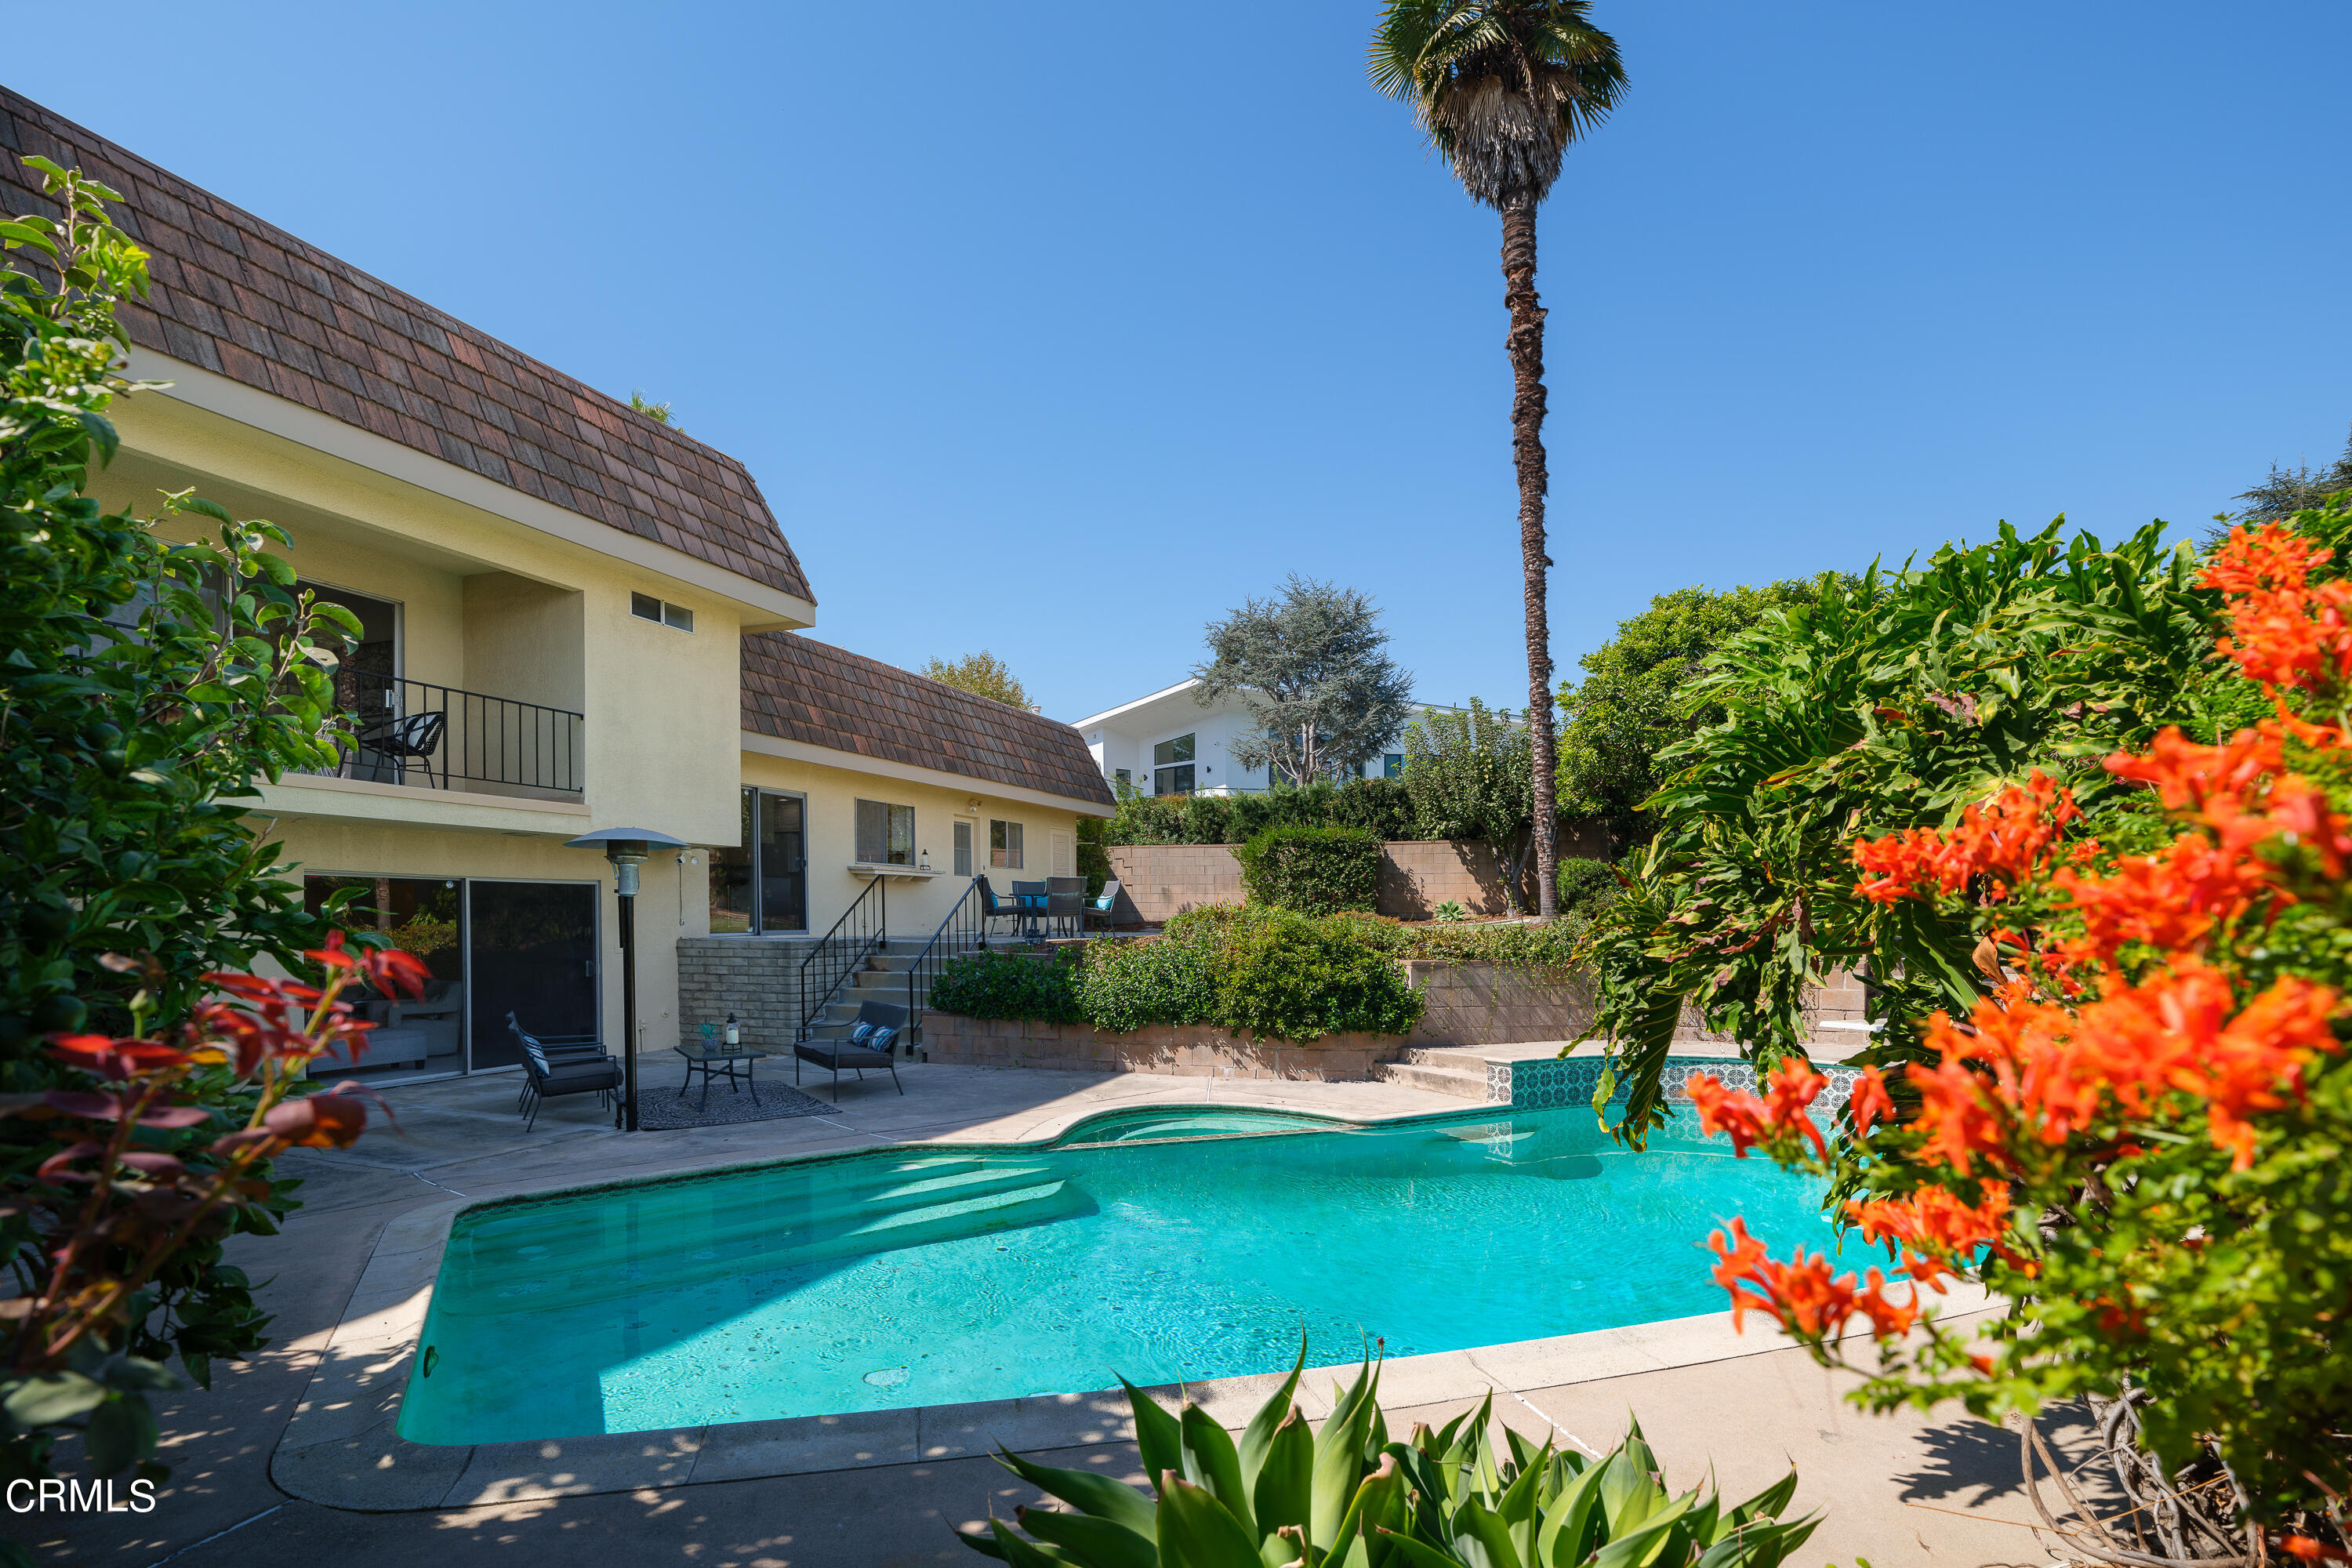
(249, 301)
(797, 688)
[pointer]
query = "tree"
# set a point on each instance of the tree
(1635, 700)
(144, 687)
(2290, 490)
(657, 411)
(1321, 695)
(1502, 86)
(1470, 774)
(983, 675)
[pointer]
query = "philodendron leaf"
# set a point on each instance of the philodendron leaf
(1096, 1543)
(1271, 1416)
(52, 1397)
(1097, 1495)
(1211, 1461)
(1195, 1531)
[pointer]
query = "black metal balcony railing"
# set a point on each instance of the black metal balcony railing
(415, 733)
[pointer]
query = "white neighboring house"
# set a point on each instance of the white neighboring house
(1168, 743)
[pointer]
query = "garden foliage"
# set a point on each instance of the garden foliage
(1314, 871)
(1312, 671)
(1379, 807)
(2134, 1119)
(1009, 985)
(1469, 772)
(1894, 703)
(1350, 1493)
(143, 687)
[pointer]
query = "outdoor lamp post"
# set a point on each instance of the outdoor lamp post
(628, 849)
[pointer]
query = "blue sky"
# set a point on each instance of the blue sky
(1059, 329)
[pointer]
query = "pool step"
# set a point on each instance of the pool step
(1457, 1074)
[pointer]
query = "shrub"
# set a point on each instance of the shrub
(1450, 911)
(1009, 985)
(1293, 978)
(1314, 871)
(1542, 943)
(1587, 887)
(1165, 979)
(1350, 1494)
(1379, 807)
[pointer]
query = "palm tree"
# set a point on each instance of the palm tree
(1502, 86)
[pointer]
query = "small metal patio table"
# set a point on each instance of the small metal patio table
(709, 1058)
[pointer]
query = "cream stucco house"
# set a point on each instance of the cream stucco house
(574, 618)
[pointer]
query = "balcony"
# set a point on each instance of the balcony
(424, 736)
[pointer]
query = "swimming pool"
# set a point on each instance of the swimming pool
(1171, 1244)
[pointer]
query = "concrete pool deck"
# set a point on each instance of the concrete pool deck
(274, 1465)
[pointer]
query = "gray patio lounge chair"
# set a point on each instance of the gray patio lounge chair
(1104, 906)
(872, 1043)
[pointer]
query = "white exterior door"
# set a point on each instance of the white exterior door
(1063, 850)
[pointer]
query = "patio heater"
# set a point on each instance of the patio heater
(628, 849)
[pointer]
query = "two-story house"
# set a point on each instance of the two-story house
(1171, 743)
(573, 618)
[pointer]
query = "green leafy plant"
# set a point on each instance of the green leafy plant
(1382, 808)
(1894, 703)
(1126, 986)
(1314, 871)
(1469, 772)
(1587, 887)
(1295, 978)
(1348, 1494)
(1450, 911)
(1009, 985)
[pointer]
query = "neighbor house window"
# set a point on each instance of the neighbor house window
(1126, 779)
(646, 607)
(1393, 765)
(885, 834)
(1171, 766)
(1005, 845)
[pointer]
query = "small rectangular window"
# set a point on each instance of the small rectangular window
(1179, 750)
(1126, 779)
(885, 834)
(1393, 765)
(1005, 845)
(646, 607)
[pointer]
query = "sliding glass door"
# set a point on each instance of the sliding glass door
(533, 957)
(761, 885)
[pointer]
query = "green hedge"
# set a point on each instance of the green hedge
(1296, 978)
(1314, 871)
(1379, 807)
(1009, 985)
(1127, 984)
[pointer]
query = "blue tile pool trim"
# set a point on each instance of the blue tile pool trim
(1539, 1085)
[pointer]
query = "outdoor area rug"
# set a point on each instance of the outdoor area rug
(666, 1107)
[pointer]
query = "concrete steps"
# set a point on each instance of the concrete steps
(1457, 1073)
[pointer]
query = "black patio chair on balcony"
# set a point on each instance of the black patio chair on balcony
(411, 737)
(873, 1042)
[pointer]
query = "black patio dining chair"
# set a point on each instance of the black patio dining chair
(411, 737)
(872, 1042)
(992, 907)
(1066, 904)
(1030, 899)
(558, 1064)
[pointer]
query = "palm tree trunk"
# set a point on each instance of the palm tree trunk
(1525, 343)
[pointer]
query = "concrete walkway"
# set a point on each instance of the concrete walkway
(1896, 1490)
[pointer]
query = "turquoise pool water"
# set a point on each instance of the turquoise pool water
(895, 1278)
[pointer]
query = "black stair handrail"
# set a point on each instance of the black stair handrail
(844, 950)
(964, 927)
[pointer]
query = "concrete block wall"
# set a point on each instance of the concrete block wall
(1416, 876)
(1194, 1049)
(756, 978)
(1165, 879)
(1499, 1004)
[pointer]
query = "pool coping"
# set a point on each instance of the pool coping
(341, 1447)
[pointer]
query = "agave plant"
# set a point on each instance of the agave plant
(1346, 1496)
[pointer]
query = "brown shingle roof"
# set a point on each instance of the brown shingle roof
(251, 302)
(797, 688)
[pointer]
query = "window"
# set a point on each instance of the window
(1393, 765)
(962, 847)
(646, 607)
(885, 834)
(1005, 845)
(1126, 779)
(1171, 766)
